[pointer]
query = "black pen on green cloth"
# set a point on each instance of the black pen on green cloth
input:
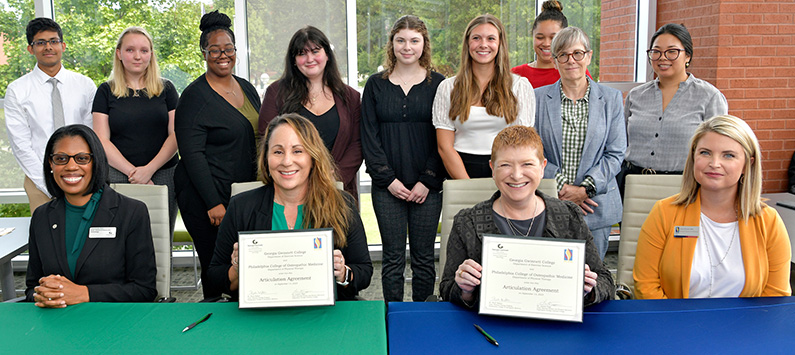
(488, 337)
(197, 322)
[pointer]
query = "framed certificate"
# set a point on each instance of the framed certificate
(286, 268)
(532, 277)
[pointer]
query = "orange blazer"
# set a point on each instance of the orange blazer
(663, 262)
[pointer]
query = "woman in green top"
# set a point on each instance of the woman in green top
(89, 243)
(299, 193)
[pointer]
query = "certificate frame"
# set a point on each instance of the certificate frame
(288, 268)
(540, 278)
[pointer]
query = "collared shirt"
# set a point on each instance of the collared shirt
(28, 110)
(659, 139)
(574, 117)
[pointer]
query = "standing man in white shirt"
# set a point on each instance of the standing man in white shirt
(42, 101)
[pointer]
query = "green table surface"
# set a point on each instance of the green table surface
(354, 327)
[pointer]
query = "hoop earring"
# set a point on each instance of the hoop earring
(742, 179)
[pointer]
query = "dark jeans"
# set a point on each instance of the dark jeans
(477, 166)
(203, 233)
(394, 215)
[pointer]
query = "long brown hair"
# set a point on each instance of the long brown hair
(497, 98)
(294, 86)
(324, 204)
(408, 22)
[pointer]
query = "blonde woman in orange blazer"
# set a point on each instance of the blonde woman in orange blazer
(716, 238)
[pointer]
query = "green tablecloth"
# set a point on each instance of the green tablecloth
(355, 327)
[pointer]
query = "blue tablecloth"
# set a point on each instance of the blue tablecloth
(705, 326)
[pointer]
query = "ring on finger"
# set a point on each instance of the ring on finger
(461, 273)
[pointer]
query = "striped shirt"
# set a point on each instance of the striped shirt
(659, 139)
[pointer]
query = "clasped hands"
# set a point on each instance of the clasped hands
(56, 291)
(577, 195)
(417, 194)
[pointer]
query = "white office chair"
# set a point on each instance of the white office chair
(156, 199)
(460, 194)
(640, 194)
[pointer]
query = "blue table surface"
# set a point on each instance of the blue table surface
(728, 325)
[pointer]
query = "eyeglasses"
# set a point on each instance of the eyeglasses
(577, 55)
(216, 53)
(670, 54)
(43, 42)
(80, 158)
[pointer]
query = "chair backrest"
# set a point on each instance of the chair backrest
(640, 194)
(156, 199)
(239, 187)
(460, 194)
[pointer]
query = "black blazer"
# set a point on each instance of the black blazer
(252, 211)
(216, 142)
(120, 269)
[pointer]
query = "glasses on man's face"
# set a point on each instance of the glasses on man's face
(670, 54)
(63, 159)
(577, 55)
(44, 42)
(216, 53)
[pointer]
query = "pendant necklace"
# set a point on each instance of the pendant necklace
(709, 255)
(514, 228)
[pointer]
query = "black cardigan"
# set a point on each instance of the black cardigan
(252, 211)
(216, 142)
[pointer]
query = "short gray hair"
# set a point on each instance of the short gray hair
(568, 37)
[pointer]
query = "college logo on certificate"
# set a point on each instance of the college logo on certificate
(286, 268)
(528, 278)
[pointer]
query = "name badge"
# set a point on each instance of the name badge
(686, 232)
(102, 232)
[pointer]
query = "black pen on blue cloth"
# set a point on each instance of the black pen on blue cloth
(197, 322)
(488, 337)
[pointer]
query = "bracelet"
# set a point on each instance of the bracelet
(347, 279)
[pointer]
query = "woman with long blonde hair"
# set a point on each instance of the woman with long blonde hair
(134, 117)
(299, 193)
(483, 98)
(716, 238)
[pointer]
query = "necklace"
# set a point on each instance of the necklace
(404, 81)
(709, 255)
(313, 97)
(231, 92)
(514, 229)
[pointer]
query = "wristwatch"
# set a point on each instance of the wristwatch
(347, 279)
(590, 190)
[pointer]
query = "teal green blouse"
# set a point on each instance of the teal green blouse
(279, 222)
(74, 243)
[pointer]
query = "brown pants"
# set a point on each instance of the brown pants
(35, 196)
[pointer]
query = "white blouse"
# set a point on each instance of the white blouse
(476, 135)
(709, 277)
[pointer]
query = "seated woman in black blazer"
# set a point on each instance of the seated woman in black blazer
(89, 244)
(299, 192)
